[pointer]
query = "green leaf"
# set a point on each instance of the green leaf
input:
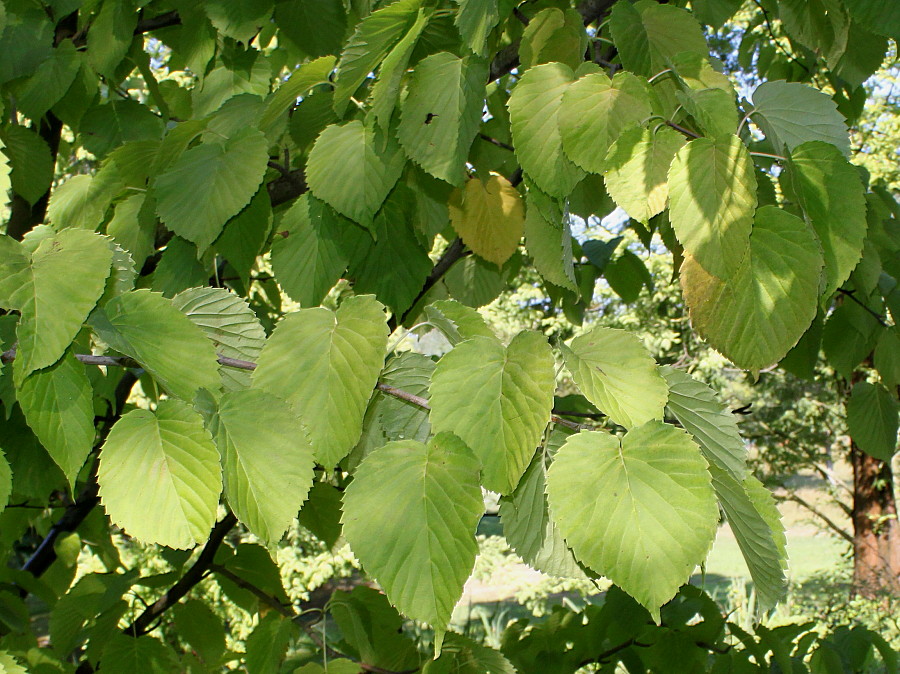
(268, 643)
(298, 84)
(5, 183)
(110, 35)
(713, 109)
(769, 301)
(456, 321)
(353, 168)
(442, 113)
(549, 241)
(49, 82)
(325, 364)
(308, 256)
(627, 275)
(879, 16)
(712, 194)
(887, 357)
(872, 420)
(105, 127)
(553, 35)
(715, 12)
(534, 115)
(256, 432)
(617, 374)
(321, 513)
(475, 20)
(497, 400)
(239, 19)
(245, 235)
(463, 655)
(850, 334)
(159, 476)
(317, 27)
(57, 402)
(125, 653)
(230, 323)
(30, 161)
(178, 269)
(595, 111)
(82, 200)
(647, 35)
(833, 198)
(640, 510)
(201, 629)
(791, 113)
(489, 217)
(637, 170)
(374, 37)
(698, 408)
(150, 329)
(53, 309)
(423, 503)
(820, 25)
(226, 176)
(6, 481)
(756, 524)
(531, 531)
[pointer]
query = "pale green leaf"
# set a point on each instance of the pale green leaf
(756, 316)
(298, 84)
(713, 109)
(529, 529)
(5, 182)
(475, 20)
(791, 113)
(553, 35)
(223, 83)
(872, 420)
(159, 476)
(9, 665)
(209, 184)
(456, 321)
(133, 227)
(497, 400)
(637, 170)
(374, 37)
(595, 111)
(325, 364)
(698, 408)
(489, 217)
(442, 113)
(420, 504)
(618, 375)
(29, 160)
(230, 323)
(534, 115)
(712, 195)
(640, 511)
(353, 168)
(57, 403)
(833, 197)
(150, 329)
(267, 460)
(53, 309)
(81, 201)
(756, 524)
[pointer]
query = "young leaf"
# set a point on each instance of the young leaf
(159, 476)
(712, 193)
(325, 364)
(419, 503)
(640, 510)
(489, 217)
(872, 420)
(255, 431)
(769, 302)
(616, 373)
(534, 115)
(497, 400)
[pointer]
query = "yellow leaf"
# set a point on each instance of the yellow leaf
(489, 217)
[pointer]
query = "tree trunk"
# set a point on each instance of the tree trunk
(876, 531)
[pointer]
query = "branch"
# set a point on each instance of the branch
(830, 523)
(157, 22)
(453, 253)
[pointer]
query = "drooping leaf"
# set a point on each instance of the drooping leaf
(850, 334)
(872, 414)
(475, 20)
(325, 364)
(497, 400)
(110, 36)
(58, 407)
(791, 113)
(150, 329)
(298, 84)
(595, 111)
(456, 321)
(553, 36)
(419, 503)
(833, 198)
(770, 300)
(159, 476)
(640, 510)
(530, 530)
(267, 460)
(245, 235)
(887, 357)
(353, 168)
(209, 184)
(178, 269)
(534, 115)
(489, 217)
(712, 193)
(549, 241)
(29, 160)
(442, 113)
(698, 409)
(617, 374)
(307, 254)
(230, 323)
(321, 513)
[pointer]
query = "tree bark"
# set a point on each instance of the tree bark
(876, 531)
